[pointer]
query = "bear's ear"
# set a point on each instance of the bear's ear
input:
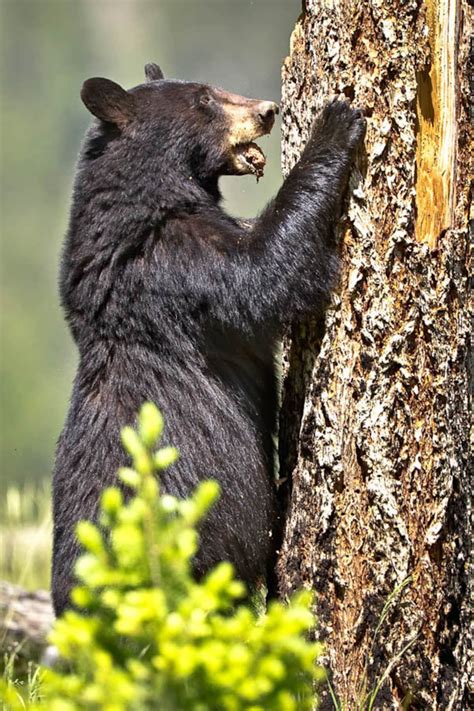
(153, 72)
(108, 101)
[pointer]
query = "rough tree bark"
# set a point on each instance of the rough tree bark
(375, 416)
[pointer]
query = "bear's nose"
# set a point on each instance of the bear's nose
(267, 111)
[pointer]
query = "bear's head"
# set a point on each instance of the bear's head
(197, 129)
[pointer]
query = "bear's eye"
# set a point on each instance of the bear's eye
(206, 100)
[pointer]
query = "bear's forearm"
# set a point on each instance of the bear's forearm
(294, 253)
(307, 206)
(308, 203)
(294, 237)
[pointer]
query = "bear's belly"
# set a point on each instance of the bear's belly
(222, 421)
(219, 418)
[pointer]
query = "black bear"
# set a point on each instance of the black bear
(171, 300)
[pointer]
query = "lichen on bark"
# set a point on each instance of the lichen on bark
(375, 418)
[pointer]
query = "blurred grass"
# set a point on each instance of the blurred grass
(25, 535)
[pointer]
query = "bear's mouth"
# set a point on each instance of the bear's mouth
(247, 120)
(249, 159)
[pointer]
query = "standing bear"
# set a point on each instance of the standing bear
(171, 300)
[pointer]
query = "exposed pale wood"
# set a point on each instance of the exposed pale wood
(375, 418)
(436, 115)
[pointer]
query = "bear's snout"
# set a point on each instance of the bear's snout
(266, 112)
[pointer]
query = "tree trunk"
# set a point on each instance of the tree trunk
(374, 430)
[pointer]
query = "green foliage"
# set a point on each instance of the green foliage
(18, 693)
(146, 635)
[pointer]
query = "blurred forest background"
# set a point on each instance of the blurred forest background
(48, 48)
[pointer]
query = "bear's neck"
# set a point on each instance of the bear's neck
(160, 182)
(124, 204)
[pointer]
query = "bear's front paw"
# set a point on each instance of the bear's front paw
(341, 123)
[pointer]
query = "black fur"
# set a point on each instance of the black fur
(171, 300)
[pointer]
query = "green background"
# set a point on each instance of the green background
(48, 48)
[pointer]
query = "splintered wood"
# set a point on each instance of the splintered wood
(436, 115)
